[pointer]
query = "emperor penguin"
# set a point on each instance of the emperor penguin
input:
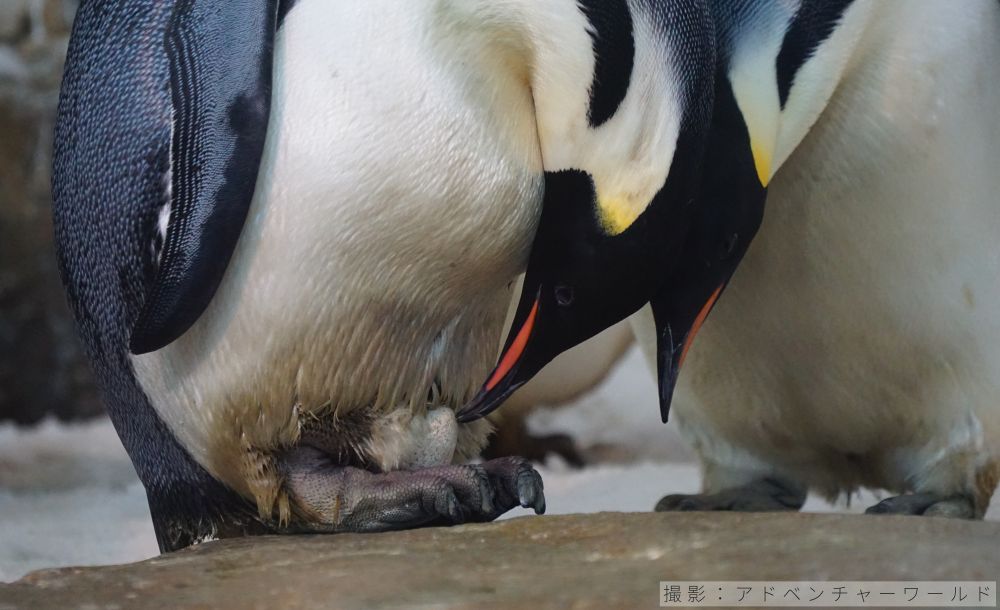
(856, 346)
(286, 230)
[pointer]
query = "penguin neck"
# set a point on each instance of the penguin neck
(609, 97)
(784, 74)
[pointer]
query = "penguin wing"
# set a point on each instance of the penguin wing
(220, 56)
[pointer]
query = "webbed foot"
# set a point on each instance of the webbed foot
(513, 438)
(763, 495)
(348, 499)
(926, 504)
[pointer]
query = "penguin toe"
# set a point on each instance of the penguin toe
(530, 491)
(473, 488)
(486, 491)
(681, 502)
(764, 495)
(926, 504)
(516, 483)
(562, 445)
(451, 495)
(960, 507)
(444, 503)
(909, 504)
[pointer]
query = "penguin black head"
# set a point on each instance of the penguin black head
(583, 277)
(679, 252)
(678, 255)
(729, 212)
(623, 173)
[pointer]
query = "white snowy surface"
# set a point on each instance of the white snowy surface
(69, 495)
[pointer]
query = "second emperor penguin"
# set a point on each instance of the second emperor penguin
(857, 344)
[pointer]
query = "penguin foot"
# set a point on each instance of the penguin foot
(512, 438)
(763, 495)
(537, 448)
(347, 499)
(926, 504)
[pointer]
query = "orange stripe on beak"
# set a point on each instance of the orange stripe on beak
(515, 350)
(698, 322)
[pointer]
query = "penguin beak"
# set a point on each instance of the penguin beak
(677, 323)
(513, 370)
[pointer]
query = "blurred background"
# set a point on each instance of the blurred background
(42, 369)
(68, 493)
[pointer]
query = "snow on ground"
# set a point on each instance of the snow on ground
(69, 495)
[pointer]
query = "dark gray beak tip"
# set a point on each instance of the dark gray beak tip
(486, 401)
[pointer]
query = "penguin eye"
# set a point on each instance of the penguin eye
(564, 295)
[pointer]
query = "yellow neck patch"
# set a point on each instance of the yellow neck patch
(762, 159)
(617, 214)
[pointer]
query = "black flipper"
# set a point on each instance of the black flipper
(221, 56)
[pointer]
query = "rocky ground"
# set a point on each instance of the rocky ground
(607, 560)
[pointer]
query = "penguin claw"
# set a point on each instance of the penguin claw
(516, 480)
(529, 491)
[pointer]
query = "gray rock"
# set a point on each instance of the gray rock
(610, 560)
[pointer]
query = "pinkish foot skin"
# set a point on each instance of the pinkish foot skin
(349, 499)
